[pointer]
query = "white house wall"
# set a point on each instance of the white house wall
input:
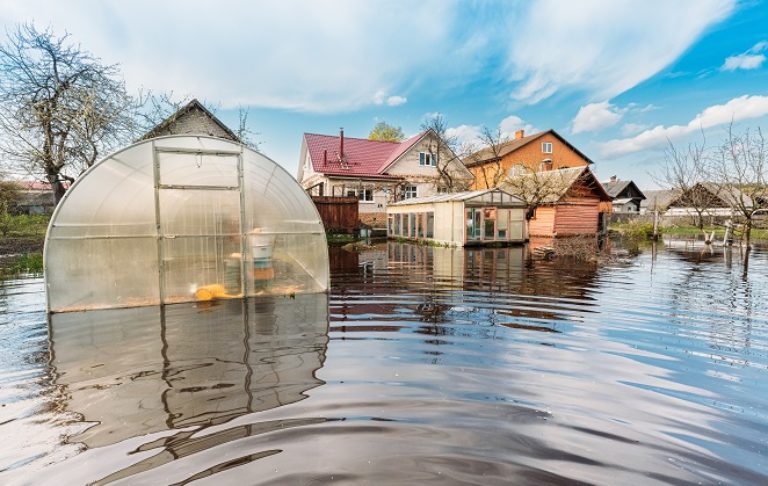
(424, 177)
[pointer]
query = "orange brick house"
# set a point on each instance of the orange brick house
(580, 208)
(545, 150)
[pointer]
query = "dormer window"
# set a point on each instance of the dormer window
(427, 159)
(546, 147)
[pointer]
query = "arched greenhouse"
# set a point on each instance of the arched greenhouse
(180, 219)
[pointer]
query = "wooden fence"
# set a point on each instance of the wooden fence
(339, 214)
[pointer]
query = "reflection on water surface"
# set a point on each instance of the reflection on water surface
(439, 365)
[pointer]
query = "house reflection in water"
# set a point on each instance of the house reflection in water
(496, 286)
(141, 370)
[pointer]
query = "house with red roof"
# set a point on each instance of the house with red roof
(379, 173)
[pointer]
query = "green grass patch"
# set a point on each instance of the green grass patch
(757, 233)
(341, 238)
(23, 225)
(27, 263)
(634, 230)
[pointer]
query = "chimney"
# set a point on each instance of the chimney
(341, 142)
(325, 158)
(613, 178)
(520, 134)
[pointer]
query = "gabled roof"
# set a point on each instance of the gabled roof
(560, 183)
(616, 187)
(659, 199)
(725, 194)
(486, 155)
(362, 157)
(192, 105)
(402, 149)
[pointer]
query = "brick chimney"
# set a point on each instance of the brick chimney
(341, 142)
(520, 134)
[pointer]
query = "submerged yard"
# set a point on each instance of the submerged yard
(422, 364)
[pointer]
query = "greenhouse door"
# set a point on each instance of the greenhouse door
(199, 207)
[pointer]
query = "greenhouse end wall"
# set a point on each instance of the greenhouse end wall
(180, 219)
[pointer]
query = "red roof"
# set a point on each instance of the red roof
(362, 157)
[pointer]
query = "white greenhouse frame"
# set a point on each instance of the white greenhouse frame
(179, 219)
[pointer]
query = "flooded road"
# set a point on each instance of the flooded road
(423, 365)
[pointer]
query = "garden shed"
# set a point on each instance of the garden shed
(460, 219)
(179, 219)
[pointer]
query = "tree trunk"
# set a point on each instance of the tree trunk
(748, 232)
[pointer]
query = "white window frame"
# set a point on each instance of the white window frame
(410, 191)
(427, 159)
(546, 147)
(360, 194)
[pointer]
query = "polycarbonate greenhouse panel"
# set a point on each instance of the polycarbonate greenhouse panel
(183, 219)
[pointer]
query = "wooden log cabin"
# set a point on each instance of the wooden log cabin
(577, 204)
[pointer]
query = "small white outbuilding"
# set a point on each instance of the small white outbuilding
(459, 219)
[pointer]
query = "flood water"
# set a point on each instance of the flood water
(422, 365)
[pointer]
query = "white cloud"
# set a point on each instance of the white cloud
(470, 134)
(632, 128)
(602, 48)
(338, 55)
(381, 97)
(741, 108)
(751, 59)
(513, 123)
(288, 54)
(465, 134)
(596, 116)
(396, 100)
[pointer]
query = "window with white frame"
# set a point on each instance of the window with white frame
(365, 195)
(409, 192)
(442, 190)
(546, 147)
(427, 159)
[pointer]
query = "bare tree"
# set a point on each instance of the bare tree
(444, 151)
(153, 108)
(537, 188)
(244, 131)
(740, 166)
(60, 107)
(491, 172)
(688, 172)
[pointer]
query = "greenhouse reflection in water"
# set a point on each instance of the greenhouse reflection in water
(131, 372)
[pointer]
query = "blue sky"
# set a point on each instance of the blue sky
(617, 78)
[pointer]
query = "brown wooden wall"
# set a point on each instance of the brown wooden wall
(577, 219)
(543, 222)
(339, 214)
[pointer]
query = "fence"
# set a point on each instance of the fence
(339, 214)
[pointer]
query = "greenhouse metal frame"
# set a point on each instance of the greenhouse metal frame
(179, 219)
